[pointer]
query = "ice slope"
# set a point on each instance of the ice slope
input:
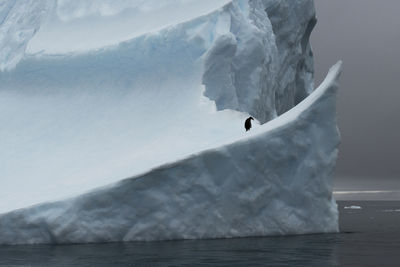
(75, 117)
(92, 24)
(92, 92)
(277, 181)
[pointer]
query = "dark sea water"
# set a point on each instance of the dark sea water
(369, 236)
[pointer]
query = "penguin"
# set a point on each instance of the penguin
(247, 123)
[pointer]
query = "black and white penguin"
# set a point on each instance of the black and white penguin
(247, 123)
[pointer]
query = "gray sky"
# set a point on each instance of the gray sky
(365, 34)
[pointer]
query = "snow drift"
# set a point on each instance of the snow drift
(163, 103)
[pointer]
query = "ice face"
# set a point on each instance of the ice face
(82, 120)
(19, 22)
(275, 182)
(80, 113)
(78, 26)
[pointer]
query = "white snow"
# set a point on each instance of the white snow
(77, 121)
(19, 22)
(275, 182)
(89, 24)
(86, 102)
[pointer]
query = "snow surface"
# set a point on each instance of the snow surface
(275, 182)
(84, 106)
(91, 24)
(78, 120)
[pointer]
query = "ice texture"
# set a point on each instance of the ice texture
(264, 65)
(19, 22)
(292, 24)
(97, 91)
(276, 182)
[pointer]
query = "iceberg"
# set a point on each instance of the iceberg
(93, 92)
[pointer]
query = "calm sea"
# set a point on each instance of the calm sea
(370, 236)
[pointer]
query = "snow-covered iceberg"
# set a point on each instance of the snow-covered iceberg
(164, 103)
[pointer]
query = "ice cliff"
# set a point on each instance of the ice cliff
(92, 92)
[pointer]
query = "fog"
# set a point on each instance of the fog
(365, 34)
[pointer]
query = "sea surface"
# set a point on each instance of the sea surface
(370, 236)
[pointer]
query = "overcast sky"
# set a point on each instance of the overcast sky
(365, 34)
